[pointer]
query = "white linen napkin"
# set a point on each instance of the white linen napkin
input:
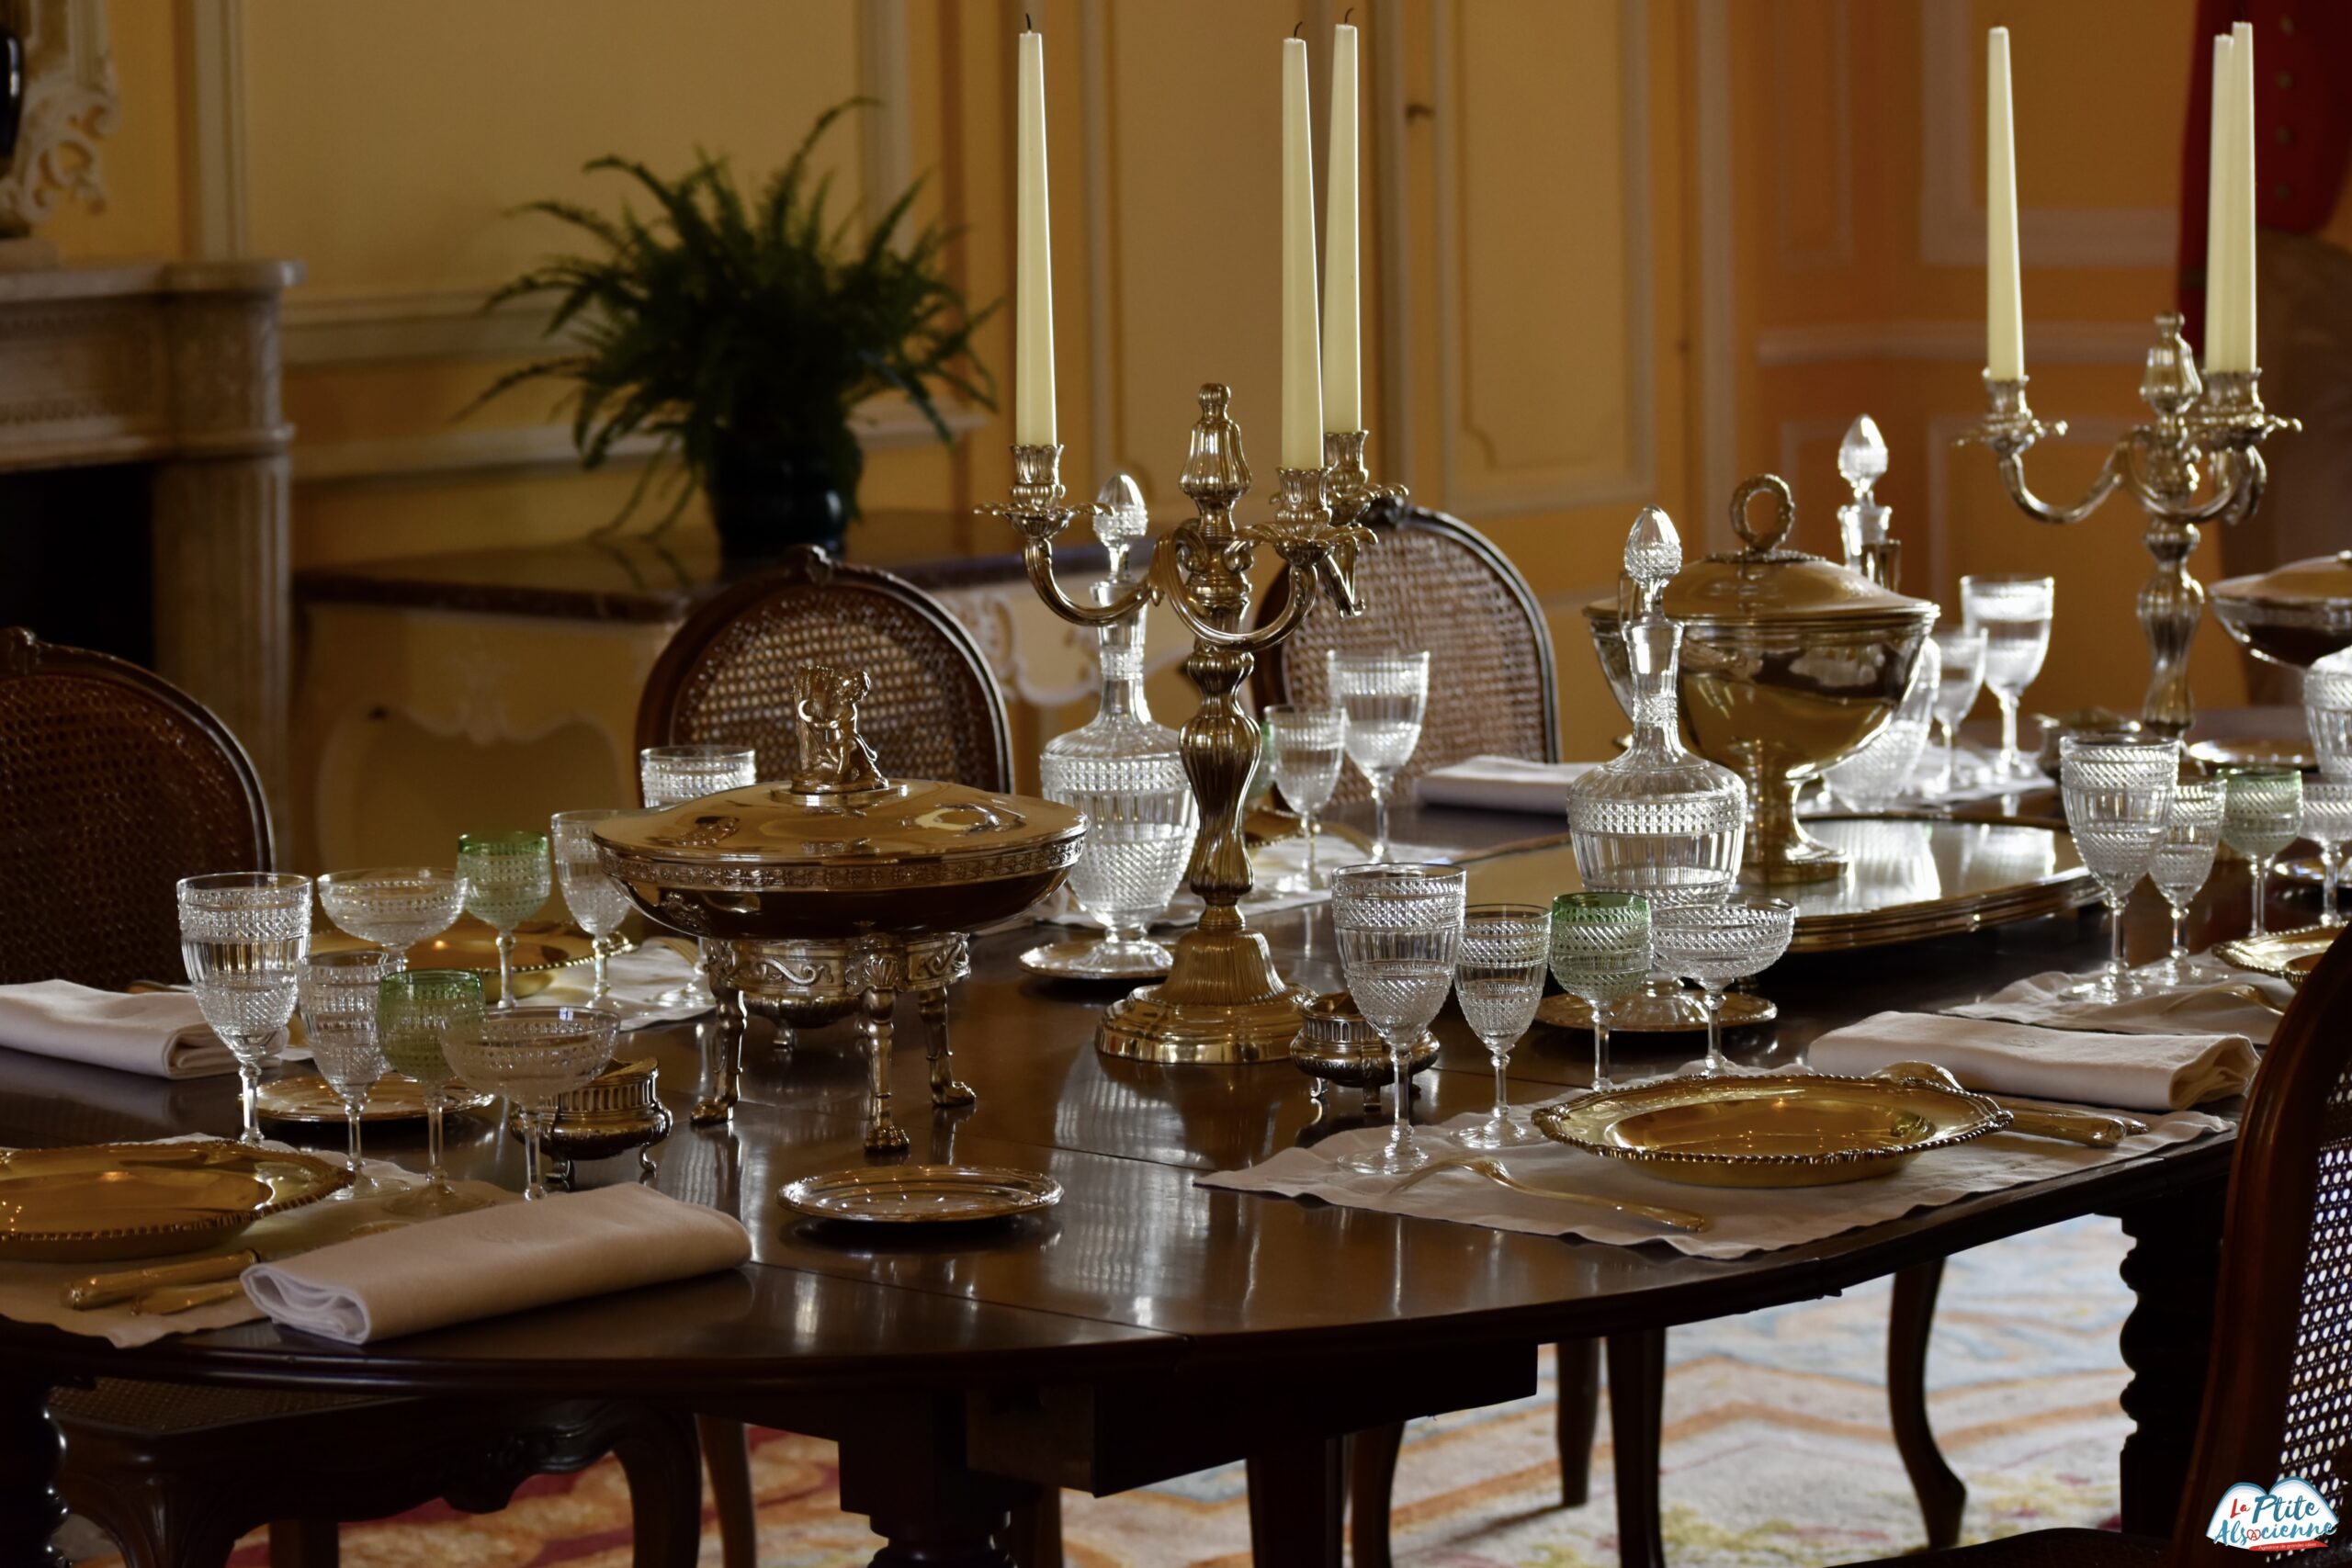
(1503, 784)
(639, 980)
(2203, 1007)
(159, 1033)
(2127, 1072)
(496, 1260)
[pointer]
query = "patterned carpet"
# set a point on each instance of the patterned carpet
(1777, 1454)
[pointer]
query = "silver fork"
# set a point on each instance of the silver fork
(1492, 1169)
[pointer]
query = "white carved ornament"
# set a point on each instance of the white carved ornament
(70, 103)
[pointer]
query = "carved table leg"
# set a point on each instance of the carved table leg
(908, 1478)
(1297, 1500)
(945, 1089)
(1943, 1496)
(730, 1023)
(31, 1450)
(1578, 1382)
(883, 1136)
(1372, 1489)
(2174, 1270)
(1636, 1421)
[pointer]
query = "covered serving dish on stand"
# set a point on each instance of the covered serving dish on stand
(1789, 663)
(838, 888)
(2293, 614)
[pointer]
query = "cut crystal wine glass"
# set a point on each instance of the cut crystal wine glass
(2327, 708)
(1600, 952)
(395, 907)
(2327, 822)
(1498, 978)
(671, 775)
(598, 903)
(533, 1056)
(1399, 930)
(2118, 791)
(1960, 675)
(243, 937)
(1713, 945)
(339, 995)
(507, 881)
(1309, 745)
(2183, 861)
(420, 1014)
(1383, 695)
(1875, 774)
(1656, 820)
(2262, 813)
(2013, 610)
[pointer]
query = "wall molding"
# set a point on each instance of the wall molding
(215, 64)
(1956, 341)
(1392, 243)
(1717, 353)
(1951, 211)
(886, 132)
(1839, 250)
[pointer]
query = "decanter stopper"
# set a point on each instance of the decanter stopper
(1861, 523)
(1653, 555)
(1120, 519)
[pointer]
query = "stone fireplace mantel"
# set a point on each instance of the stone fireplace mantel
(175, 366)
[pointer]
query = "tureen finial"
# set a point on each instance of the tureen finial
(834, 759)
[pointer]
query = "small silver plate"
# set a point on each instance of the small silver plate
(1083, 958)
(922, 1194)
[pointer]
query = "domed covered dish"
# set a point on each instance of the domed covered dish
(2293, 614)
(1789, 663)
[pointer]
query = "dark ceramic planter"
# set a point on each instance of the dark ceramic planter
(767, 497)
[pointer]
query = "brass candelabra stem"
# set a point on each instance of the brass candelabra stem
(2196, 462)
(1223, 1000)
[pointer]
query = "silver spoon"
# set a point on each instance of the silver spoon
(1492, 1169)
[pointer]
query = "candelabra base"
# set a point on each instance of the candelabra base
(1222, 1005)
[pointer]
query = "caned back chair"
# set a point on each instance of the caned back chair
(725, 678)
(113, 785)
(1434, 582)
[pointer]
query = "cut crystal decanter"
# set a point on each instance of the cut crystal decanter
(1861, 522)
(1659, 820)
(1128, 774)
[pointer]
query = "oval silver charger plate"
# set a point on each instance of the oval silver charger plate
(1081, 958)
(922, 1194)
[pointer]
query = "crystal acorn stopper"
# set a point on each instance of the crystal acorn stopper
(1120, 519)
(1861, 456)
(1861, 523)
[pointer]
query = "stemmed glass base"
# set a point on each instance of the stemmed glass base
(1500, 1130)
(2114, 982)
(2177, 967)
(1711, 1002)
(362, 1184)
(1400, 1154)
(436, 1196)
(249, 1071)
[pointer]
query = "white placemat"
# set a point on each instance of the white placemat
(2202, 1006)
(1747, 1219)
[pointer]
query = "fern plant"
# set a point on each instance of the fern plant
(724, 326)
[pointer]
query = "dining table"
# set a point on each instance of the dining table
(1147, 1327)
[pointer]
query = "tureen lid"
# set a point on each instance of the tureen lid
(2319, 579)
(1765, 582)
(837, 810)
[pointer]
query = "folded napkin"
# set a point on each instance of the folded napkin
(496, 1260)
(2128, 1072)
(1503, 784)
(2214, 1002)
(639, 980)
(160, 1034)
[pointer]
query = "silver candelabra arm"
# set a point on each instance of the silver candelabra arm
(1037, 509)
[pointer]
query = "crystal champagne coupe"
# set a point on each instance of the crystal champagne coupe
(420, 1014)
(2118, 791)
(1309, 744)
(339, 996)
(395, 907)
(671, 775)
(1498, 978)
(2262, 813)
(533, 1056)
(1876, 774)
(1383, 695)
(244, 937)
(597, 902)
(1960, 675)
(1711, 945)
(2183, 862)
(2327, 822)
(1399, 930)
(1600, 952)
(507, 881)
(2013, 609)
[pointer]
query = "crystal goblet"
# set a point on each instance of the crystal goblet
(2262, 813)
(598, 903)
(2013, 609)
(1713, 945)
(1600, 952)
(1960, 675)
(1309, 744)
(1399, 930)
(2327, 709)
(532, 1056)
(339, 994)
(395, 907)
(2118, 791)
(1876, 774)
(2327, 822)
(1498, 978)
(243, 936)
(2183, 861)
(671, 775)
(507, 880)
(1383, 695)
(420, 1013)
